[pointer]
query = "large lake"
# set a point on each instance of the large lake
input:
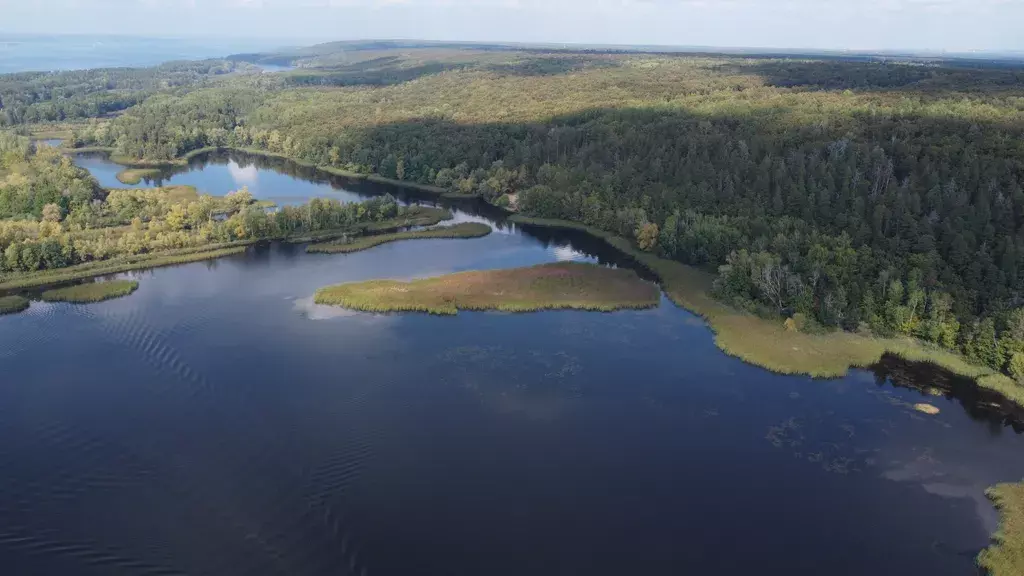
(217, 422)
(47, 52)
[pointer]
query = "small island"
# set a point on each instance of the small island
(563, 285)
(346, 245)
(93, 292)
(12, 304)
(133, 176)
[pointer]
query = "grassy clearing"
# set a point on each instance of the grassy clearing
(768, 344)
(463, 230)
(563, 285)
(180, 193)
(94, 292)
(132, 176)
(117, 265)
(51, 134)
(12, 304)
(52, 130)
(1005, 557)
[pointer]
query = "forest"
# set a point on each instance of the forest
(78, 94)
(56, 216)
(874, 196)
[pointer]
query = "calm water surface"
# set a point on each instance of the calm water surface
(217, 422)
(220, 173)
(45, 52)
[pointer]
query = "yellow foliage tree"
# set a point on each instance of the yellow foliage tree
(177, 217)
(647, 236)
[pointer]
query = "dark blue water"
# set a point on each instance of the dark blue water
(218, 422)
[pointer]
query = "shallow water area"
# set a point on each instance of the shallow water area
(218, 422)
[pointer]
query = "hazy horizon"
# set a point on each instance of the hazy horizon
(864, 25)
(269, 43)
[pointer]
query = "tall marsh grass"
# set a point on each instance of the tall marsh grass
(563, 285)
(92, 292)
(12, 304)
(1005, 557)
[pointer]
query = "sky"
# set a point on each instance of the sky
(951, 25)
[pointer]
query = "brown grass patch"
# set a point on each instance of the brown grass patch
(564, 285)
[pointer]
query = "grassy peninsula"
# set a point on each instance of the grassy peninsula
(344, 246)
(1006, 555)
(769, 343)
(12, 304)
(92, 292)
(564, 285)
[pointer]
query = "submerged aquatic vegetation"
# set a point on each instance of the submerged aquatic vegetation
(93, 292)
(463, 230)
(563, 285)
(12, 304)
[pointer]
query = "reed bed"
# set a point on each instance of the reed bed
(563, 285)
(92, 292)
(12, 304)
(1005, 557)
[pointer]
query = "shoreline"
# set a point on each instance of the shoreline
(91, 292)
(98, 268)
(57, 276)
(465, 230)
(829, 355)
(738, 334)
(769, 345)
(129, 163)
